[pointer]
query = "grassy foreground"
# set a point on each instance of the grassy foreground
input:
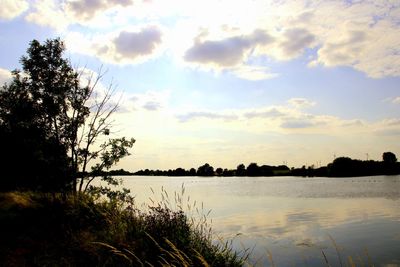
(55, 230)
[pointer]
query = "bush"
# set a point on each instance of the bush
(81, 230)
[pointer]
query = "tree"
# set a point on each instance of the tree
(192, 172)
(241, 170)
(389, 158)
(50, 123)
(266, 170)
(32, 108)
(219, 171)
(345, 167)
(390, 165)
(179, 172)
(205, 170)
(253, 170)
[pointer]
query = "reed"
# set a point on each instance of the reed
(83, 230)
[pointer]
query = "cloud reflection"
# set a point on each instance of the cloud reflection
(294, 217)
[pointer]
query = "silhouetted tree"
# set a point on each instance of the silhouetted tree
(266, 170)
(119, 172)
(253, 170)
(240, 170)
(205, 170)
(35, 126)
(340, 167)
(192, 172)
(219, 171)
(389, 163)
(344, 166)
(229, 172)
(49, 122)
(389, 157)
(180, 172)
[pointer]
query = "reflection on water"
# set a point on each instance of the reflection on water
(293, 217)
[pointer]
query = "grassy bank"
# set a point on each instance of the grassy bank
(55, 230)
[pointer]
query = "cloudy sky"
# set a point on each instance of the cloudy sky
(229, 82)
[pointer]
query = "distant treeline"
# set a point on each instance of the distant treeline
(207, 170)
(340, 167)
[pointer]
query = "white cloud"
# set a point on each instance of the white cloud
(387, 127)
(210, 115)
(284, 119)
(5, 76)
(299, 124)
(253, 73)
(228, 52)
(391, 122)
(291, 44)
(351, 123)
(136, 44)
(301, 102)
(396, 100)
(48, 13)
(98, 14)
(363, 35)
(148, 101)
(127, 46)
(11, 9)
(270, 112)
(152, 105)
(85, 10)
(278, 118)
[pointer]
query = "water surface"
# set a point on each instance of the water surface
(293, 218)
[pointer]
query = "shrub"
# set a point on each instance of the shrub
(81, 230)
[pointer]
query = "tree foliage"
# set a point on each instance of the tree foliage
(205, 170)
(49, 123)
(241, 170)
(389, 157)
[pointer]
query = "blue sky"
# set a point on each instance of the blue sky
(229, 82)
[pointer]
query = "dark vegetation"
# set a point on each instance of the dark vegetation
(340, 167)
(54, 230)
(55, 136)
(49, 124)
(207, 170)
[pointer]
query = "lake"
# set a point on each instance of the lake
(294, 219)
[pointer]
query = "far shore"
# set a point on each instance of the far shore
(339, 168)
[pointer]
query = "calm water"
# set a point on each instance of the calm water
(293, 217)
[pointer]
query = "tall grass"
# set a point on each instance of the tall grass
(83, 230)
(207, 246)
(358, 261)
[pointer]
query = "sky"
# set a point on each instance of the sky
(227, 82)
